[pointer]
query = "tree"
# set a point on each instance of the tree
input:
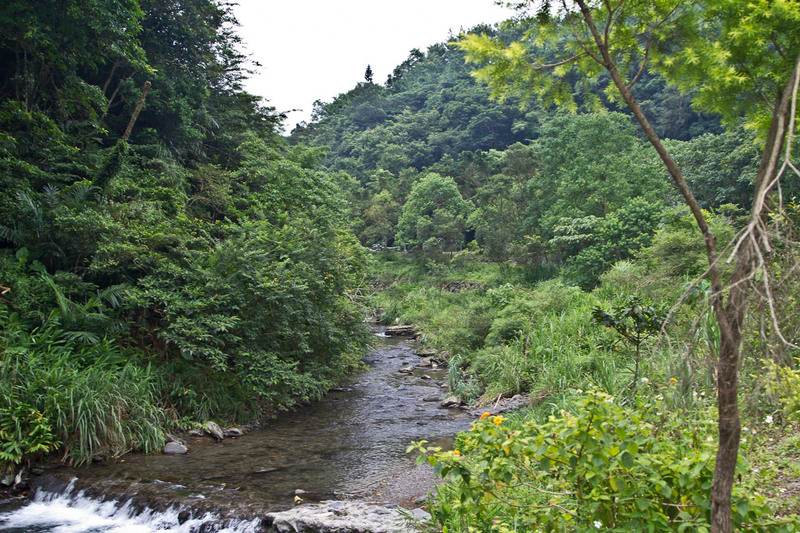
(434, 209)
(739, 59)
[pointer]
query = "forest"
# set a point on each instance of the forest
(550, 204)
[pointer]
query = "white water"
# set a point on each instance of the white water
(73, 512)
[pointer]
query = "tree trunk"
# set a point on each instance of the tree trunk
(136, 111)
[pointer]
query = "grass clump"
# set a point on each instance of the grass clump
(87, 400)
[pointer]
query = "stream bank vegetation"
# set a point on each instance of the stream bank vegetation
(166, 258)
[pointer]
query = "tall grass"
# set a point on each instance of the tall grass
(96, 402)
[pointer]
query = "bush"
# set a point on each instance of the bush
(24, 433)
(605, 467)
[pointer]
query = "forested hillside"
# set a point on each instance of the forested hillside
(165, 256)
(540, 184)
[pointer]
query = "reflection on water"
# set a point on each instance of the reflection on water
(345, 444)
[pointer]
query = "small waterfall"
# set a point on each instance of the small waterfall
(73, 512)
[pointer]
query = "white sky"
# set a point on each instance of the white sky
(316, 49)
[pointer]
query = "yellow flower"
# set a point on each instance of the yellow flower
(485, 415)
(456, 452)
(673, 380)
(498, 420)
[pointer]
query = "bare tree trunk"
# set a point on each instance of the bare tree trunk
(136, 111)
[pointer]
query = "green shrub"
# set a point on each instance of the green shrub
(605, 466)
(783, 387)
(24, 433)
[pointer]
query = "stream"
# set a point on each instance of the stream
(343, 447)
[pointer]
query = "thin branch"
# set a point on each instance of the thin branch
(644, 62)
(541, 66)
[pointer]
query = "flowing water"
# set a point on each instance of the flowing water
(342, 447)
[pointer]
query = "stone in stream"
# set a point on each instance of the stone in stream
(426, 363)
(433, 398)
(174, 448)
(451, 401)
(406, 370)
(338, 517)
(233, 432)
(213, 429)
(400, 331)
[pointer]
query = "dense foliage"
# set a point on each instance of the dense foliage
(171, 264)
(183, 261)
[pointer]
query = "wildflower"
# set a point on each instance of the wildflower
(745, 429)
(497, 420)
(782, 491)
(645, 380)
(673, 380)
(570, 422)
(579, 391)
(768, 420)
(598, 524)
(710, 438)
(660, 397)
(456, 452)
(610, 399)
(485, 415)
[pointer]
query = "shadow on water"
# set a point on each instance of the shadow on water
(343, 446)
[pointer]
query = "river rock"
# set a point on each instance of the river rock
(426, 363)
(425, 352)
(406, 370)
(451, 401)
(432, 398)
(338, 517)
(174, 448)
(173, 438)
(420, 515)
(213, 429)
(196, 433)
(400, 331)
(234, 432)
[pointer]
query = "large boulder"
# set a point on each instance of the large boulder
(338, 517)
